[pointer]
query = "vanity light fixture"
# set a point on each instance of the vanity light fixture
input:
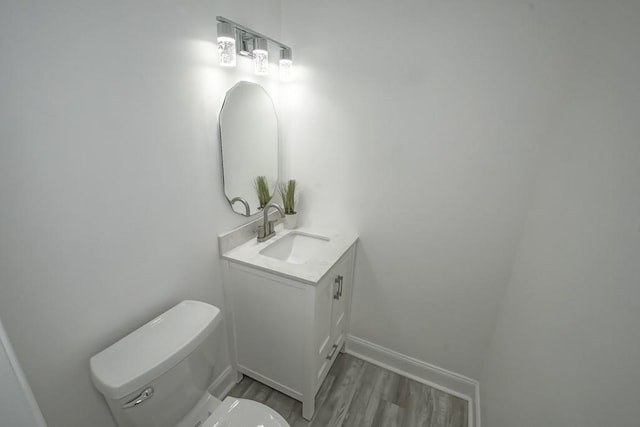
(235, 39)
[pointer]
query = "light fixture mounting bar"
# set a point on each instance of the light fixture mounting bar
(252, 32)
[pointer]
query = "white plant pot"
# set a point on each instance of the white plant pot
(291, 221)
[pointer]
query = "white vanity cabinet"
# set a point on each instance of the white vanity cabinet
(286, 332)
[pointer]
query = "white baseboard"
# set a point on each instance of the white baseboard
(271, 383)
(223, 384)
(423, 372)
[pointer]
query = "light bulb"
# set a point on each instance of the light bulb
(226, 44)
(260, 57)
(286, 65)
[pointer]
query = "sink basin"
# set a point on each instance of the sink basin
(296, 247)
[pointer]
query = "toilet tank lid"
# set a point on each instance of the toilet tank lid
(153, 349)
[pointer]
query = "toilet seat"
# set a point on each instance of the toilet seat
(234, 412)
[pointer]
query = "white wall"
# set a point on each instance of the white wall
(110, 184)
(418, 124)
(567, 345)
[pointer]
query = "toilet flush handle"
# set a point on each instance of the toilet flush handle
(146, 394)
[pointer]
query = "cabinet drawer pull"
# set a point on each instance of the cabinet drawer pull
(332, 352)
(338, 281)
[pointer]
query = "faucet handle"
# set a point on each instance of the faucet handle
(261, 232)
(272, 225)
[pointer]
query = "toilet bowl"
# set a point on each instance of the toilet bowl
(159, 375)
(234, 412)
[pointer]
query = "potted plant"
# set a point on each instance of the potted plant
(261, 185)
(287, 192)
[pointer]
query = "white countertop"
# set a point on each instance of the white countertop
(311, 271)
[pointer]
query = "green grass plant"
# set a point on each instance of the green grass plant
(287, 192)
(261, 185)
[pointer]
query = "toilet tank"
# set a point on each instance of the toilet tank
(154, 376)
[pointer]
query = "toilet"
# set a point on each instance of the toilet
(159, 375)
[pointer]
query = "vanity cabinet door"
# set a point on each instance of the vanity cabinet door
(323, 341)
(341, 283)
(332, 297)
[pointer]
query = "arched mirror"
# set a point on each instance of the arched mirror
(249, 139)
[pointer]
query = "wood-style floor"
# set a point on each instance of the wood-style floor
(359, 394)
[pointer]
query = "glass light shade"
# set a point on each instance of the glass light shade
(285, 64)
(227, 51)
(285, 70)
(226, 44)
(260, 57)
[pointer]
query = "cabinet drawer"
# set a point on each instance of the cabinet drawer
(328, 357)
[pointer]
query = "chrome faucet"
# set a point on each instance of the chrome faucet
(267, 229)
(247, 211)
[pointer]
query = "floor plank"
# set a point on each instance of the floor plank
(356, 393)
